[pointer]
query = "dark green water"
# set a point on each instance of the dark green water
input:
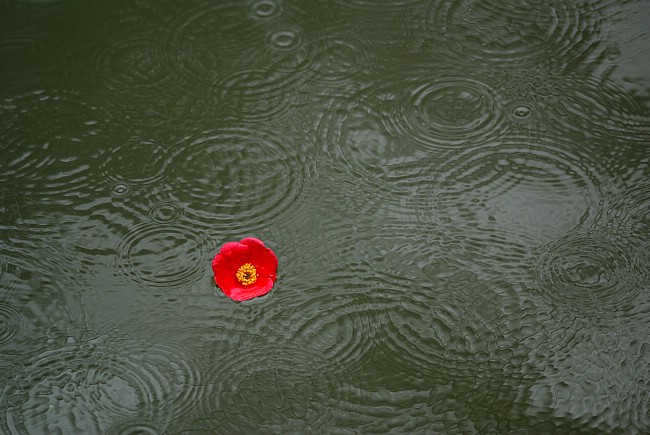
(458, 193)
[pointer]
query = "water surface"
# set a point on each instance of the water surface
(458, 193)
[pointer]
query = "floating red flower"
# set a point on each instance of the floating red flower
(245, 269)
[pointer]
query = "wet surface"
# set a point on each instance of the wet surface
(458, 193)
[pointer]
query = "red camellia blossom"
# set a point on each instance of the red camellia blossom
(245, 269)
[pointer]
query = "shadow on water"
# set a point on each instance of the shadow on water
(457, 192)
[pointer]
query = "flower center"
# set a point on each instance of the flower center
(247, 274)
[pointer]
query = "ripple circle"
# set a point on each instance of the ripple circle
(135, 427)
(252, 174)
(265, 10)
(132, 62)
(594, 108)
(136, 163)
(377, 4)
(641, 262)
(338, 62)
(497, 202)
(166, 212)
(443, 112)
(120, 189)
(12, 323)
(252, 94)
(338, 322)
(351, 133)
(520, 112)
(269, 386)
(450, 332)
(87, 387)
(51, 162)
(496, 31)
(340, 331)
(206, 37)
(162, 255)
(285, 39)
(585, 273)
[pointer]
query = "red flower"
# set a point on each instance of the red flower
(245, 269)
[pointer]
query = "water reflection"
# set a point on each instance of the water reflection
(457, 192)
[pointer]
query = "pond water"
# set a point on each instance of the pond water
(458, 193)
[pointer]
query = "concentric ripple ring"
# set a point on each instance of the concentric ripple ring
(585, 273)
(252, 174)
(491, 31)
(11, 323)
(162, 255)
(87, 387)
(444, 111)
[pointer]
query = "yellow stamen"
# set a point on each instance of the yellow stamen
(247, 274)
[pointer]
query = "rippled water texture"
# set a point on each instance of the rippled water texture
(458, 193)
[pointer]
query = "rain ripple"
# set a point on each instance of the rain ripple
(166, 212)
(330, 63)
(641, 262)
(374, 5)
(496, 31)
(25, 44)
(135, 427)
(251, 94)
(447, 350)
(582, 106)
(199, 42)
(34, 143)
(340, 60)
(137, 161)
(352, 134)
(132, 63)
(454, 326)
(265, 10)
(587, 273)
(162, 255)
(282, 52)
(384, 394)
(378, 394)
(111, 217)
(211, 317)
(630, 210)
(273, 387)
(592, 107)
(88, 387)
(252, 174)
(204, 37)
(285, 40)
(594, 379)
(443, 111)
(528, 96)
(336, 330)
(12, 323)
(500, 201)
(291, 53)
(332, 308)
(344, 320)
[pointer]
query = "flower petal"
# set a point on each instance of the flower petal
(252, 241)
(261, 287)
(262, 257)
(232, 256)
